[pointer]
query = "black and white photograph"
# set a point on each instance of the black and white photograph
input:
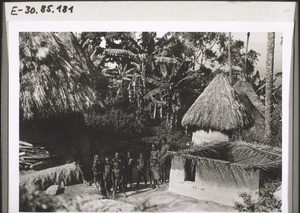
(161, 107)
(150, 121)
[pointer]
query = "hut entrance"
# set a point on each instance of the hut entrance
(190, 170)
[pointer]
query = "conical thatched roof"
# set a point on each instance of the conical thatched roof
(52, 79)
(246, 93)
(218, 108)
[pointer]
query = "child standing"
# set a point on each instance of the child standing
(98, 172)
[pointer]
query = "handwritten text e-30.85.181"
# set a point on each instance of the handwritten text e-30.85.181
(43, 9)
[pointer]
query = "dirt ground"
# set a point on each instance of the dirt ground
(87, 198)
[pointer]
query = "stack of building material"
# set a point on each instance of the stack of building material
(33, 157)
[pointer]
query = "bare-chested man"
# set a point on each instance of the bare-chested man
(163, 163)
(118, 175)
(98, 172)
(128, 170)
(107, 176)
(154, 166)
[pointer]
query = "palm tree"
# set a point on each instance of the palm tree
(269, 85)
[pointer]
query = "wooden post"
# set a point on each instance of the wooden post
(269, 85)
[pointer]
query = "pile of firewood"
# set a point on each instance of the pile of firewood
(33, 157)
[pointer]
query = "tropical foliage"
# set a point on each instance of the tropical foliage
(157, 74)
(150, 79)
(267, 202)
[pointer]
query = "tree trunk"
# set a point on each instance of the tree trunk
(229, 58)
(269, 85)
(246, 56)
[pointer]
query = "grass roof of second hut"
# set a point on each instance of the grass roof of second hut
(218, 108)
(246, 91)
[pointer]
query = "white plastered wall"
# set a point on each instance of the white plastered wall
(201, 136)
(209, 190)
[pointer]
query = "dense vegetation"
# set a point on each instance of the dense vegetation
(150, 81)
(154, 80)
(267, 202)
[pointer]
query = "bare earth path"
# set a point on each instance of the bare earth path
(149, 200)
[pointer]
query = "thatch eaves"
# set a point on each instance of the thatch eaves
(218, 108)
(52, 79)
(238, 152)
(232, 161)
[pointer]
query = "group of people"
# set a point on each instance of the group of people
(117, 173)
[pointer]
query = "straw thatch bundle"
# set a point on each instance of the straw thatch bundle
(246, 93)
(231, 162)
(218, 108)
(52, 78)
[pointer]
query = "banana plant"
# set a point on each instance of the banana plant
(166, 88)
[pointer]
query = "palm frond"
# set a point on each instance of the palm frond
(152, 93)
(167, 60)
(120, 53)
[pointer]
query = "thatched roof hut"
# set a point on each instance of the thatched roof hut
(218, 108)
(215, 169)
(53, 80)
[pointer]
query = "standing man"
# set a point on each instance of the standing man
(128, 170)
(154, 166)
(98, 170)
(117, 159)
(163, 163)
(107, 176)
(141, 166)
(118, 176)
